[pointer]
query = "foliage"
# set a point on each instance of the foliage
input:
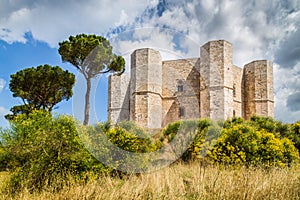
(40, 88)
(271, 125)
(261, 140)
(43, 150)
(278, 128)
(201, 134)
(4, 157)
(296, 135)
(20, 109)
(242, 144)
(118, 147)
(129, 141)
(134, 129)
(91, 55)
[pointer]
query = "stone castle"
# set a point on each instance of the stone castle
(159, 92)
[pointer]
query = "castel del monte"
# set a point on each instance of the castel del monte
(158, 92)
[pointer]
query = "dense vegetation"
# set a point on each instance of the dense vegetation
(259, 141)
(41, 150)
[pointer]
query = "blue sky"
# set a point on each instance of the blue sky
(31, 29)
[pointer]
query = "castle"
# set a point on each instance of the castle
(159, 92)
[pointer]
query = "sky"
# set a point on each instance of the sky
(30, 31)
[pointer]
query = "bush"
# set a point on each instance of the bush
(261, 140)
(204, 132)
(244, 144)
(44, 150)
(121, 147)
(129, 141)
(296, 135)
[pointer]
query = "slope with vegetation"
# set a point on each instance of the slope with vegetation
(42, 152)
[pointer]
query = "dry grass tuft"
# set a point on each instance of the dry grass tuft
(185, 181)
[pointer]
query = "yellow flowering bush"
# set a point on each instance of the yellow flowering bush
(244, 144)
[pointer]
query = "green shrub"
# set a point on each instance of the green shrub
(134, 129)
(278, 128)
(129, 141)
(243, 144)
(4, 159)
(44, 150)
(296, 135)
(201, 133)
(121, 147)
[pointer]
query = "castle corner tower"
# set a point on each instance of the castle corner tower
(258, 89)
(216, 80)
(146, 88)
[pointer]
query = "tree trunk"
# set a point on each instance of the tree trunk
(87, 102)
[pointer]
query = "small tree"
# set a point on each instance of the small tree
(91, 55)
(40, 88)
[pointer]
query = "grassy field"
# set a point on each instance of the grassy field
(182, 181)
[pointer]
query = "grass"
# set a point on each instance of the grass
(3, 176)
(182, 181)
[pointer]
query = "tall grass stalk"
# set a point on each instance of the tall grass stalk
(183, 181)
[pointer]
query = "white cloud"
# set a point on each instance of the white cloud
(53, 21)
(286, 83)
(2, 84)
(3, 121)
(155, 38)
(124, 19)
(3, 111)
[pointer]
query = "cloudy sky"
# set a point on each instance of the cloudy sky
(31, 29)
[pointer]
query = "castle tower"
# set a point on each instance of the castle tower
(216, 80)
(258, 89)
(146, 88)
(118, 98)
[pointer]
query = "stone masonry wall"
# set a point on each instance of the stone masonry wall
(182, 73)
(118, 98)
(237, 91)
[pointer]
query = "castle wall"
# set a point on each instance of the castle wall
(258, 89)
(118, 98)
(237, 91)
(216, 95)
(204, 81)
(180, 73)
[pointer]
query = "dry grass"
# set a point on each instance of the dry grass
(3, 176)
(182, 181)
